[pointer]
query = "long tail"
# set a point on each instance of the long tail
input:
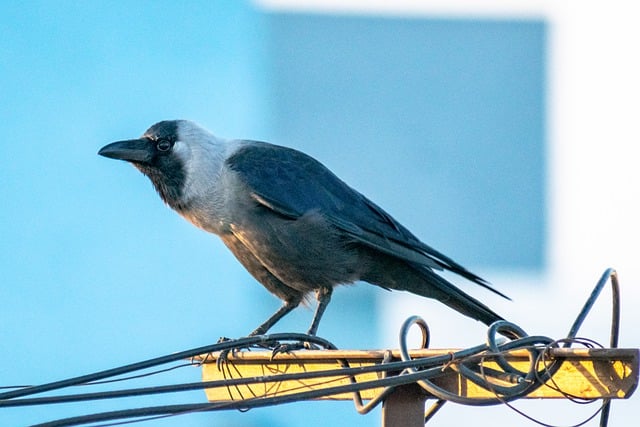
(391, 273)
(438, 288)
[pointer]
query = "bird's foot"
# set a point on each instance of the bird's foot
(223, 339)
(274, 345)
(283, 348)
(223, 357)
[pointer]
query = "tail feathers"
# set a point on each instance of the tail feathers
(449, 264)
(436, 287)
(395, 274)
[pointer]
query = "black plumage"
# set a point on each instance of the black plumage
(293, 224)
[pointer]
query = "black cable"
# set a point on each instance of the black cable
(525, 386)
(609, 274)
(425, 363)
(244, 404)
(470, 363)
(182, 355)
(391, 381)
(532, 379)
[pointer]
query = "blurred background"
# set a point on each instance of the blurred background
(503, 133)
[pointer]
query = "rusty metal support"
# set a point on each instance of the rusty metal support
(404, 407)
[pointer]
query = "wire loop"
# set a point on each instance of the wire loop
(476, 364)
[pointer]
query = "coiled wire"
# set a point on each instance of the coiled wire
(507, 384)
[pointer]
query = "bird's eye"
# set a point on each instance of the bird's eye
(163, 145)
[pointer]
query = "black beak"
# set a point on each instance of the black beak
(132, 150)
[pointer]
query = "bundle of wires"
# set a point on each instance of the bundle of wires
(507, 383)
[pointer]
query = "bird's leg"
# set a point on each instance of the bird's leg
(323, 295)
(288, 305)
(275, 317)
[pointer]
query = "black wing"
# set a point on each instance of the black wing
(292, 183)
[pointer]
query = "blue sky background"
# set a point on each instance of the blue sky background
(439, 121)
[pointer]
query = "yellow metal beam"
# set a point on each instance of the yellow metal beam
(585, 373)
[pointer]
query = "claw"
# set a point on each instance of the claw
(222, 359)
(288, 348)
(223, 356)
(310, 346)
(285, 348)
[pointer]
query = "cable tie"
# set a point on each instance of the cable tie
(452, 360)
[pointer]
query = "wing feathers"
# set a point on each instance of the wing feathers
(291, 183)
